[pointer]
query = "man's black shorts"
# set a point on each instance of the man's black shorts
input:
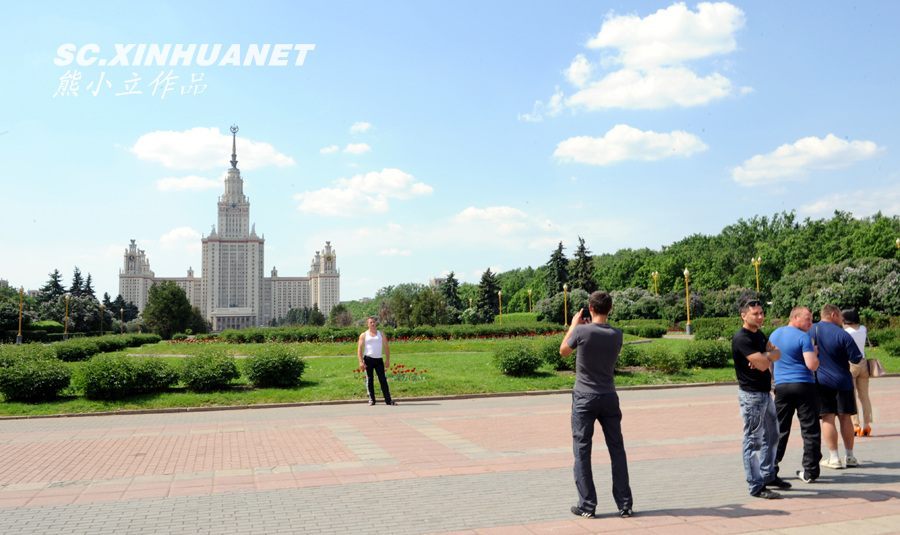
(833, 401)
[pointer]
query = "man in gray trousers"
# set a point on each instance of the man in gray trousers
(594, 398)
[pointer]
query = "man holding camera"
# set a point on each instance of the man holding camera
(597, 346)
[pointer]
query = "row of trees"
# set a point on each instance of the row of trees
(85, 312)
(842, 259)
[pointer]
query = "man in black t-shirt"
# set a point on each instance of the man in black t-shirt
(753, 355)
(594, 399)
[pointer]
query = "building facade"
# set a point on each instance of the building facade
(232, 291)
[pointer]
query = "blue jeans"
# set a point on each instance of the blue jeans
(760, 438)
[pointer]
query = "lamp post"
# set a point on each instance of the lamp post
(655, 276)
(756, 262)
(687, 299)
(529, 300)
(500, 297)
(21, 305)
(897, 243)
(566, 305)
(122, 320)
(66, 324)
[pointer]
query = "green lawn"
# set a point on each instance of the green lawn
(453, 367)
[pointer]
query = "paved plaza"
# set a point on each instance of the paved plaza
(482, 465)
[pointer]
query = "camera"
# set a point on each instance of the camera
(586, 314)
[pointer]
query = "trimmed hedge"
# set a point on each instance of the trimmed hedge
(642, 328)
(516, 359)
(209, 371)
(892, 348)
(707, 354)
(118, 376)
(34, 379)
(85, 348)
(344, 334)
(660, 358)
(278, 368)
(882, 336)
(11, 354)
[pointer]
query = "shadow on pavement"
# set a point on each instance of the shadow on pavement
(724, 511)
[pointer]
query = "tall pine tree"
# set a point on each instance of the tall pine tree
(52, 291)
(488, 304)
(450, 291)
(88, 289)
(583, 269)
(77, 287)
(557, 271)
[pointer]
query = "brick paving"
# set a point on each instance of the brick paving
(484, 465)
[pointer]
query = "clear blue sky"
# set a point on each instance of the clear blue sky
(424, 137)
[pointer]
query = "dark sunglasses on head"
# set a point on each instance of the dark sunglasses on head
(753, 303)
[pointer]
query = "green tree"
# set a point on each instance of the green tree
(583, 269)
(488, 304)
(340, 316)
(53, 289)
(77, 287)
(450, 291)
(88, 288)
(168, 310)
(557, 271)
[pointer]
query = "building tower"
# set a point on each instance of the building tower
(232, 272)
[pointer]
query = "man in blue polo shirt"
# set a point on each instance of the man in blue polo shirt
(836, 351)
(795, 391)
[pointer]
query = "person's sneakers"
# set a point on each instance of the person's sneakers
(578, 511)
(767, 494)
(391, 403)
(804, 477)
(831, 463)
(778, 482)
(867, 432)
(626, 512)
(857, 431)
(851, 461)
(371, 402)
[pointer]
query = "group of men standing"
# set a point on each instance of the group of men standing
(811, 368)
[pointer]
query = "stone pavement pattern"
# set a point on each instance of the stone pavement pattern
(487, 465)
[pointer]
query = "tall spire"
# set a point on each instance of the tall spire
(234, 131)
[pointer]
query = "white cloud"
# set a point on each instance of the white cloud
(364, 193)
(624, 142)
(205, 148)
(671, 36)
(579, 71)
(181, 238)
(794, 161)
(360, 127)
(861, 203)
(393, 251)
(501, 219)
(330, 149)
(357, 148)
(553, 107)
(649, 55)
(187, 183)
(653, 89)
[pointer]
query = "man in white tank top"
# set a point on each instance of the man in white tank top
(371, 344)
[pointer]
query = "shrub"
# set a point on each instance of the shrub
(210, 371)
(34, 379)
(117, 376)
(892, 348)
(547, 350)
(11, 354)
(179, 336)
(660, 358)
(629, 356)
(153, 375)
(109, 377)
(707, 354)
(278, 368)
(883, 336)
(77, 349)
(516, 358)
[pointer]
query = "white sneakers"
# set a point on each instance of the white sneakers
(836, 464)
(851, 461)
